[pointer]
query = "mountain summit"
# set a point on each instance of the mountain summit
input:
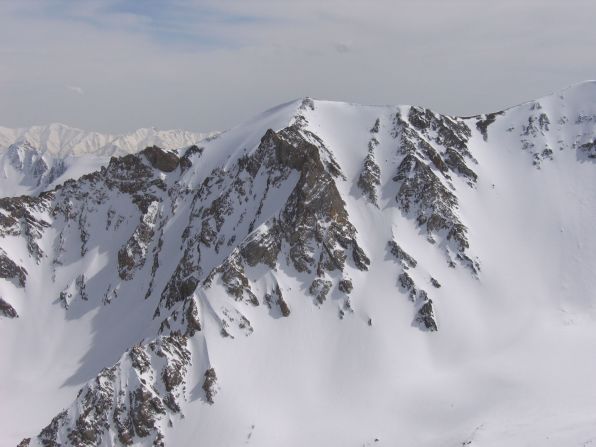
(323, 274)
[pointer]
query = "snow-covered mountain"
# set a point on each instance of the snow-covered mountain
(38, 158)
(324, 274)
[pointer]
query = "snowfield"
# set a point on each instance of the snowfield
(325, 274)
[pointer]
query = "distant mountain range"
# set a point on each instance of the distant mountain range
(40, 157)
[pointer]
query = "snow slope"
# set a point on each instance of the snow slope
(323, 274)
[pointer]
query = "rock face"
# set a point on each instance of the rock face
(11, 271)
(160, 159)
(127, 403)
(6, 310)
(200, 248)
(405, 259)
(425, 316)
(209, 385)
(370, 176)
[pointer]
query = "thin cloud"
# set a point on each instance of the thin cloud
(342, 47)
(74, 88)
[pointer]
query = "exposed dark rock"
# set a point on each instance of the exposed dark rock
(407, 283)
(235, 281)
(275, 297)
(435, 283)
(432, 204)
(263, 248)
(405, 259)
(49, 435)
(484, 121)
(360, 259)
(209, 385)
(319, 289)
(183, 282)
(132, 256)
(20, 216)
(7, 310)
(315, 211)
(434, 157)
(457, 164)
(146, 409)
(160, 159)
(370, 178)
(192, 318)
(376, 126)
(108, 399)
(10, 270)
(547, 153)
(283, 306)
(543, 121)
(425, 317)
(589, 149)
(81, 287)
(420, 118)
(192, 151)
(139, 359)
(447, 132)
(345, 286)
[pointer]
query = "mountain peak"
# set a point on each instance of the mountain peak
(421, 267)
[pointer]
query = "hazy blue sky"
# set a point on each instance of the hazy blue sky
(116, 65)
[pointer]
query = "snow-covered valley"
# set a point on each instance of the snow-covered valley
(324, 274)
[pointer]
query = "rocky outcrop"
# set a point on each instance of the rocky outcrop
(320, 288)
(589, 149)
(77, 289)
(407, 284)
(129, 402)
(313, 223)
(275, 298)
(25, 216)
(314, 218)
(483, 121)
(210, 385)
(193, 151)
(11, 271)
(6, 310)
(406, 261)
(424, 197)
(425, 316)
(160, 159)
(132, 256)
(345, 286)
(370, 175)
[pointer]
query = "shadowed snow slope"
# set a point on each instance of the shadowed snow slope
(326, 274)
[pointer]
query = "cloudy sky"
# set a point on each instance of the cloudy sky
(116, 65)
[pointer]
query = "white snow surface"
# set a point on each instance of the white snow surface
(512, 364)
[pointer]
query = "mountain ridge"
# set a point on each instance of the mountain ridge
(412, 273)
(60, 140)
